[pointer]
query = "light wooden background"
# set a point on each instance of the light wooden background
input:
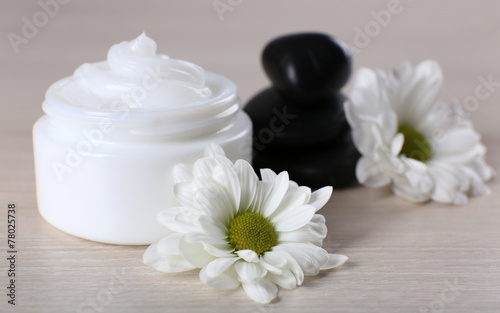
(403, 257)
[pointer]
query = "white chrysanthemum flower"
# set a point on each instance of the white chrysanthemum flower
(423, 148)
(242, 231)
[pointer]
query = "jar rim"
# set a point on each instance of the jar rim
(198, 117)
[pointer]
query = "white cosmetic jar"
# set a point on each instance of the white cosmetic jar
(104, 174)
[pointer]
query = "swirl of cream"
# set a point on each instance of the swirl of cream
(135, 75)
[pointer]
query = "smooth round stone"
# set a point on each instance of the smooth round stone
(334, 165)
(277, 124)
(307, 66)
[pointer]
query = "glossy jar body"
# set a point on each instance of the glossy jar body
(104, 175)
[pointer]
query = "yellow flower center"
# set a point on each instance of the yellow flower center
(415, 145)
(251, 231)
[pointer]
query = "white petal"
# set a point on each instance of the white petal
(361, 136)
(262, 292)
(166, 216)
(417, 172)
(248, 255)
(282, 259)
(170, 244)
(219, 266)
(268, 175)
(195, 253)
(308, 256)
(292, 185)
(334, 260)
(460, 199)
(249, 272)
(320, 197)
(183, 192)
(416, 184)
(420, 92)
(483, 170)
(313, 232)
(351, 113)
(478, 173)
(270, 268)
(204, 238)
(179, 219)
(165, 263)
(215, 203)
(369, 174)
(440, 119)
(450, 184)
(478, 188)
(397, 144)
(248, 182)
(368, 106)
(204, 167)
(388, 123)
(220, 251)
(458, 146)
(226, 280)
(293, 199)
(285, 280)
(213, 227)
(276, 194)
(365, 93)
(401, 72)
(206, 181)
(263, 189)
(293, 219)
(183, 173)
(409, 193)
(276, 258)
(229, 181)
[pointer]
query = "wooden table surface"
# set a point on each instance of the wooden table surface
(402, 257)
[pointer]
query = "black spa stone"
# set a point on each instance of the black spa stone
(332, 165)
(306, 66)
(277, 124)
(299, 124)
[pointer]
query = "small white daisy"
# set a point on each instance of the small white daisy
(242, 231)
(423, 148)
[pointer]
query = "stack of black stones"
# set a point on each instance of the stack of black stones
(299, 122)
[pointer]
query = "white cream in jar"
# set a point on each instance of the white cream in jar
(112, 133)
